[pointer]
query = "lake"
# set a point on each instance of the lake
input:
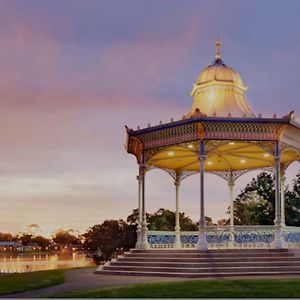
(31, 263)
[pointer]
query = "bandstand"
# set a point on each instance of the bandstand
(219, 135)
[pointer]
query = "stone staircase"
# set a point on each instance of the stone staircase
(196, 264)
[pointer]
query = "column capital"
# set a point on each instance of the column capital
(277, 158)
(177, 183)
(231, 180)
(142, 169)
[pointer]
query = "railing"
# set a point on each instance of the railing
(226, 237)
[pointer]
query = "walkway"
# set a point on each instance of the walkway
(84, 279)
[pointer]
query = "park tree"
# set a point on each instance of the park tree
(255, 204)
(133, 218)
(30, 233)
(6, 237)
(129, 235)
(209, 222)
(66, 237)
(41, 241)
(110, 236)
(223, 222)
(33, 229)
(164, 220)
(25, 238)
(292, 203)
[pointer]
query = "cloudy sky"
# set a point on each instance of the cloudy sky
(73, 73)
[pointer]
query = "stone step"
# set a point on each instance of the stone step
(172, 251)
(204, 259)
(193, 264)
(203, 270)
(208, 264)
(207, 255)
(197, 275)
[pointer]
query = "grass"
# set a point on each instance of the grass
(242, 288)
(14, 283)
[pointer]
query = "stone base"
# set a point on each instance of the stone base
(177, 245)
(202, 245)
(278, 244)
(142, 245)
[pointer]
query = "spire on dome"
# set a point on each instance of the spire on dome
(218, 45)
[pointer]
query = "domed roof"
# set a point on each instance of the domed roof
(220, 72)
(219, 91)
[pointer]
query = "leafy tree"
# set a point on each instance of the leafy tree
(129, 235)
(25, 238)
(292, 203)
(223, 222)
(66, 237)
(164, 220)
(133, 218)
(33, 229)
(41, 241)
(255, 205)
(208, 221)
(6, 237)
(106, 237)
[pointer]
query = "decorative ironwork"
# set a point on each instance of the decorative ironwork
(185, 174)
(136, 148)
(213, 145)
(176, 176)
(256, 236)
(217, 130)
(227, 176)
(149, 154)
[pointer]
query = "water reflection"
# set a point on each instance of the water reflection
(30, 263)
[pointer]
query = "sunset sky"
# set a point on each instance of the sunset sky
(73, 73)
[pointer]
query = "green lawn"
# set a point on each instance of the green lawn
(14, 283)
(243, 288)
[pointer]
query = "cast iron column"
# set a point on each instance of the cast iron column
(202, 242)
(144, 240)
(139, 226)
(278, 242)
(282, 180)
(177, 243)
(231, 198)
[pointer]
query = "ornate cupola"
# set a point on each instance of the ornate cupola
(219, 91)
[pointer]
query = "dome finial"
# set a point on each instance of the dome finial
(218, 45)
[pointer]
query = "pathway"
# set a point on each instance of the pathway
(83, 279)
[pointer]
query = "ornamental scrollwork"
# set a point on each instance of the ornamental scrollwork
(230, 176)
(214, 144)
